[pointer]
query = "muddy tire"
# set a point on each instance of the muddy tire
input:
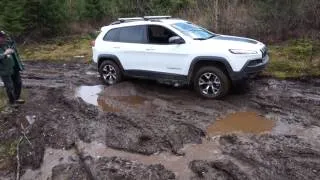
(211, 82)
(110, 72)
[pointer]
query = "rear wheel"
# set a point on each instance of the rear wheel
(110, 72)
(211, 82)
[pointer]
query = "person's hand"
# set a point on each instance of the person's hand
(8, 51)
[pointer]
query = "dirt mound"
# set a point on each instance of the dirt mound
(69, 171)
(115, 168)
(112, 169)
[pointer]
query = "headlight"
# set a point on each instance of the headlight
(242, 51)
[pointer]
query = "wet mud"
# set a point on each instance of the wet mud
(140, 129)
(241, 122)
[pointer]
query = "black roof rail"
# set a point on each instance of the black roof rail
(156, 17)
(131, 19)
(145, 18)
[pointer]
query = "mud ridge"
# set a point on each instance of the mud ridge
(147, 119)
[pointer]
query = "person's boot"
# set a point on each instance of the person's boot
(20, 101)
(7, 110)
(13, 106)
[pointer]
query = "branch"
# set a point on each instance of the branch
(25, 136)
(18, 159)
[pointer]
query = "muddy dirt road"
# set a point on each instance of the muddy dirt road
(75, 128)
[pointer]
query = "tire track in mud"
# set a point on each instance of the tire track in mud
(167, 120)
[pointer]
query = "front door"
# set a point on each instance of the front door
(162, 56)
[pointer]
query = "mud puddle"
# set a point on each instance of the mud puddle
(89, 94)
(120, 103)
(241, 122)
(208, 150)
(107, 107)
(52, 158)
(109, 103)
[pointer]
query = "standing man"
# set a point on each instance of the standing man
(10, 67)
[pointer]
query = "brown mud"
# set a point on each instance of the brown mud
(270, 129)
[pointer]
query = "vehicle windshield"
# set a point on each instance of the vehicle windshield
(193, 31)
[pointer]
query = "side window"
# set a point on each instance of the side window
(132, 34)
(112, 35)
(159, 34)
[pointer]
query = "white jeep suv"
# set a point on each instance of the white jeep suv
(176, 51)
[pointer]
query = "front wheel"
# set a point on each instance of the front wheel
(110, 72)
(211, 82)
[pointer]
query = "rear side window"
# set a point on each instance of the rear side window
(132, 34)
(112, 35)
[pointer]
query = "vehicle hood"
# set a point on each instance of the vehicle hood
(233, 42)
(235, 39)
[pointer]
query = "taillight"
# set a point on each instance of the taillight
(93, 43)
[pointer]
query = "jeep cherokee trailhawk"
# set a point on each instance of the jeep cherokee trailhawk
(176, 51)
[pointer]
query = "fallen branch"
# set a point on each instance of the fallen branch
(25, 136)
(18, 159)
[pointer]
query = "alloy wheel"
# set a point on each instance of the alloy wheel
(109, 74)
(209, 83)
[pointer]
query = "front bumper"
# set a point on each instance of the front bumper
(250, 69)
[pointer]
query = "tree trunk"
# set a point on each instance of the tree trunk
(216, 7)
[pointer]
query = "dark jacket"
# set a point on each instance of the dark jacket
(9, 64)
(6, 63)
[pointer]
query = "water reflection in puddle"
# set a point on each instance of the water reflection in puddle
(246, 122)
(132, 100)
(115, 103)
(107, 107)
(108, 103)
(89, 93)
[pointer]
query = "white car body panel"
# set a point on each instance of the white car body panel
(175, 58)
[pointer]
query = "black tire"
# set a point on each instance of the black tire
(218, 82)
(110, 72)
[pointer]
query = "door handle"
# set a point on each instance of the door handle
(116, 47)
(150, 49)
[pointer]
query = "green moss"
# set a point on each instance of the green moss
(59, 49)
(295, 58)
(3, 98)
(7, 154)
(8, 149)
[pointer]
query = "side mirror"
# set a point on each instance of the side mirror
(176, 40)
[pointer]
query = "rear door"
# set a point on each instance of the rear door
(133, 44)
(129, 45)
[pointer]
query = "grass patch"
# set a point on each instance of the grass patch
(59, 49)
(294, 59)
(7, 154)
(8, 149)
(3, 98)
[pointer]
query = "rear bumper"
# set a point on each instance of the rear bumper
(250, 69)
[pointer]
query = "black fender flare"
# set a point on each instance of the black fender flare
(111, 57)
(211, 59)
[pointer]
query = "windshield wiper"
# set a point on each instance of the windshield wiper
(205, 38)
(211, 36)
(200, 38)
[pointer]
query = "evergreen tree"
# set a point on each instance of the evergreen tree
(53, 16)
(31, 14)
(93, 10)
(12, 18)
